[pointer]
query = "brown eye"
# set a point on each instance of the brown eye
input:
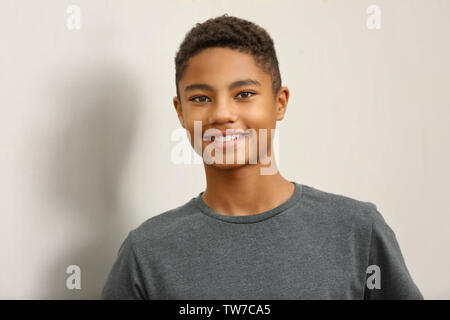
(246, 94)
(198, 97)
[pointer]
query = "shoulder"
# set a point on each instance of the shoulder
(170, 224)
(341, 209)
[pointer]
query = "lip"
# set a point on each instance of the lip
(227, 132)
(242, 135)
(229, 144)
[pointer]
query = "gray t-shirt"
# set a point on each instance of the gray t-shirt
(316, 245)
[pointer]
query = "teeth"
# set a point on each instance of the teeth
(226, 138)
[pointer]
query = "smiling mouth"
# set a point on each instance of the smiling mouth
(226, 138)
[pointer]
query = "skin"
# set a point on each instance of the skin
(234, 188)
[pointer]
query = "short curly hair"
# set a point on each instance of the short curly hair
(230, 32)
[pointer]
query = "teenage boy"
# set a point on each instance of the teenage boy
(251, 235)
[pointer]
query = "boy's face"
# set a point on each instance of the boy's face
(208, 95)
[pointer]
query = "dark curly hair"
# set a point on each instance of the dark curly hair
(234, 33)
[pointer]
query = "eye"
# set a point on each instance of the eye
(197, 97)
(246, 94)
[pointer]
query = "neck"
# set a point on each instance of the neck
(244, 190)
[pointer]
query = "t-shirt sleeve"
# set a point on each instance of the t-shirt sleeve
(125, 281)
(387, 276)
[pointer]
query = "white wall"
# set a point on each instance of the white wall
(86, 118)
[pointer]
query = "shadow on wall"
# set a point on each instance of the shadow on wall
(100, 107)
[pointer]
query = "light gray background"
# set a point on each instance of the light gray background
(86, 119)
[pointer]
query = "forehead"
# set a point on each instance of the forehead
(221, 66)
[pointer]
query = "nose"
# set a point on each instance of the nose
(222, 111)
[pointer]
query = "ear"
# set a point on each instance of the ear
(281, 102)
(178, 109)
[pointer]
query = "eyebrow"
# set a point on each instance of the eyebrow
(233, 85)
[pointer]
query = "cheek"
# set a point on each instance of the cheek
(189, 127)
(195, 135)
(260, 116)
(192, 117)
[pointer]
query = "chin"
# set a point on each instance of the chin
(229, 166)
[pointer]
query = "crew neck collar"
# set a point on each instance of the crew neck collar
(251, 218)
